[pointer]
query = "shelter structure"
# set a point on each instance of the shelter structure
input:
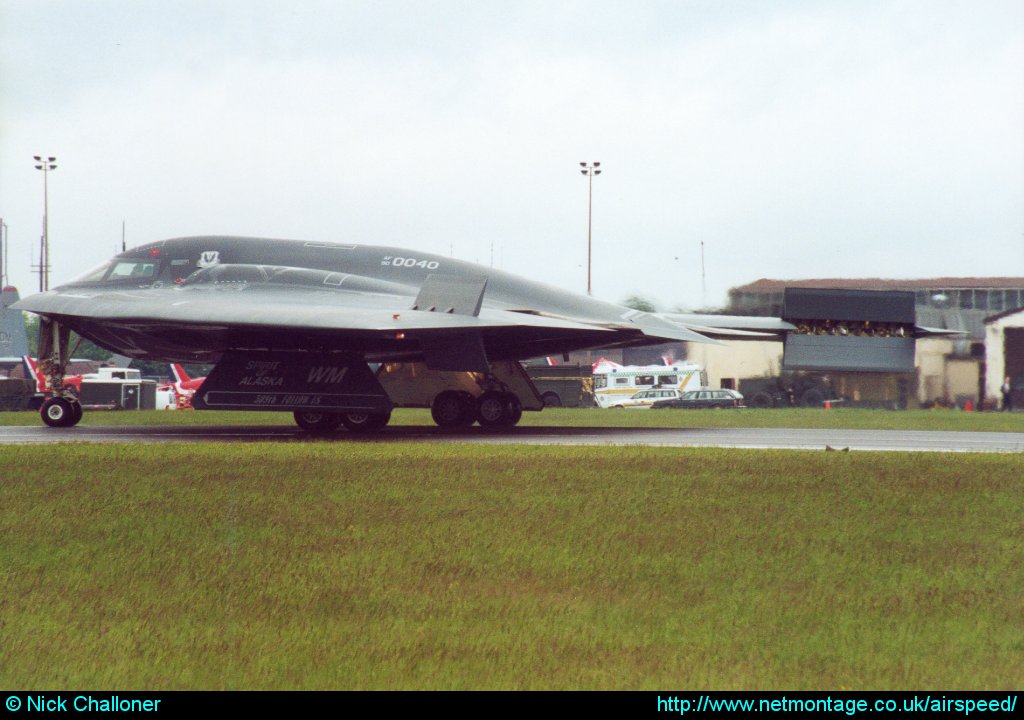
(948, 371)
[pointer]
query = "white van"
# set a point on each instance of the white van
(615, 384)
(645, 398)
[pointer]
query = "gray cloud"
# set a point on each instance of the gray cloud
(798, 140)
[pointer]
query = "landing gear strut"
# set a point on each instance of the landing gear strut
(62, 409)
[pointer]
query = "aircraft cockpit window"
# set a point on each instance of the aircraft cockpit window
(94, 275)
(218, 274)
(132, 269)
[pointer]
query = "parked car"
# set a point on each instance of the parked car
(646, 398)
(703, 398)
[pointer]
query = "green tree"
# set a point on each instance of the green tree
(80, 347)
(639, 303)
(32, 330)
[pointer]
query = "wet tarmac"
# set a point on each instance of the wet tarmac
(769, 438)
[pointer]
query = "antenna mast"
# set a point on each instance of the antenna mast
(703, 279)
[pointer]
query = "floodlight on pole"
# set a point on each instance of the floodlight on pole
(590, 170)
(46, 163)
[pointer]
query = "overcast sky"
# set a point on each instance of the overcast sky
(794, 139)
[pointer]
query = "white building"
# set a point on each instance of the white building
(1004, 354)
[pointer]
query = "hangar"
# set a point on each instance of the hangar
(948, 371)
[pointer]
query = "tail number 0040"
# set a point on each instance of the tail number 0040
(410, 263)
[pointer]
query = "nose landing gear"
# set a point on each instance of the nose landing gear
(62, 409)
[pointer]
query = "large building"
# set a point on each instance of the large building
(954, 303)
(948, 371)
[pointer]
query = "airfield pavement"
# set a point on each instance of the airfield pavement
(764, 438)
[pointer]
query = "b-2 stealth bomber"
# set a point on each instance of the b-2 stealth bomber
(337, 333)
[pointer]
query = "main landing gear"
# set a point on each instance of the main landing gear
(496, 399)
(450, 409)
(320, 423)
(455, 408)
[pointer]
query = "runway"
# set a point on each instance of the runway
(760, 438)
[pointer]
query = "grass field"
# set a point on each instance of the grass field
(592, 417)
(452, 566)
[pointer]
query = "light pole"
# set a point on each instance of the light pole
(46, 164)
(3, 254)
(590, 170)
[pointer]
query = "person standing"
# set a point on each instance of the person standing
(1007, 391)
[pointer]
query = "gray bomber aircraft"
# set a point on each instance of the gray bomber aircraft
(295, 326)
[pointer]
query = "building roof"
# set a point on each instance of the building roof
(1000, 316)
(766, 285)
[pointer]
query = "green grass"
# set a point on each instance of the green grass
(785, 418)
(448, 566)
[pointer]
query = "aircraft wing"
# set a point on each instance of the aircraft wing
(741, 327)
(271, 308)
(389, 306)
(920, 331)
(199, 323)
(733, 327)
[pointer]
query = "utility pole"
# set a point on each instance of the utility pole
(46, 164)
(590, 170)
(3, 254)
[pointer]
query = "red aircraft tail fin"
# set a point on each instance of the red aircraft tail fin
(179, 374)
(32, 373)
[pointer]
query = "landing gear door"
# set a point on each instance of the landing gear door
(290, 381)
